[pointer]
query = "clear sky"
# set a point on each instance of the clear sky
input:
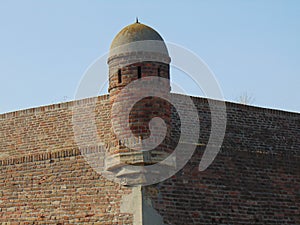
(252, 46)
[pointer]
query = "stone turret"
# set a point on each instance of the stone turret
(138, 54)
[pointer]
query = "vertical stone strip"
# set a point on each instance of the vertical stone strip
(132, 203)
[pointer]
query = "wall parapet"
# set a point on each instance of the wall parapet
(62, 105)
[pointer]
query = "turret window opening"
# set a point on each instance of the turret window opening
(158, 71)
(119, 76)
(139, 72)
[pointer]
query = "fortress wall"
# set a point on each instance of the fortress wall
(45, 179)
(262, 130)
(248, 128)
(255, 178)
(50, 128)
(64, 190)
(238, 188)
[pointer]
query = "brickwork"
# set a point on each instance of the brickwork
(49, 155)
(254, 179)
(49, 128)
(238, 188)
(144, 110)
(63, 190)
(44, 177)
(124, 68)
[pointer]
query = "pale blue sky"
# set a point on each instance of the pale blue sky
(251, 46)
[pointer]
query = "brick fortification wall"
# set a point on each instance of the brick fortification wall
(254, 179)
(44, 179)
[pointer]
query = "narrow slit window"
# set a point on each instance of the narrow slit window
(139, 72)
(158, 72)
(119, 76)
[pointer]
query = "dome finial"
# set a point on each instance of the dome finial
(137, 20)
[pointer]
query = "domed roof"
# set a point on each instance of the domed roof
(135, 32)
(138, 38)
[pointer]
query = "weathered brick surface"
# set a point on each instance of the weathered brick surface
(45, 179)
(49, 128)
(144, 110)
(254, 180)
(238, 188)
(64, 190)
(124, 68)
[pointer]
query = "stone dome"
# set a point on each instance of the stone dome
(136, 36)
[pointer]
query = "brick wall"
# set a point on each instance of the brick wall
(145, 109)
(254, 179)
(65, 190)
(44, 179)
(49, 128)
